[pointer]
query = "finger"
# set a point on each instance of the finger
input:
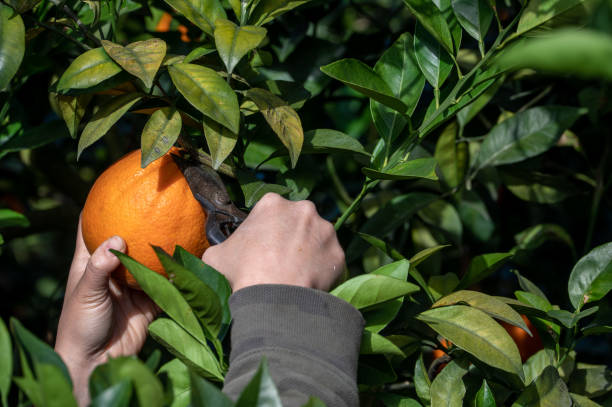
(100, 266)
(79, 261)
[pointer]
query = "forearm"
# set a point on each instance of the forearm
(309, 338)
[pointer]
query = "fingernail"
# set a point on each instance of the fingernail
(116, 243)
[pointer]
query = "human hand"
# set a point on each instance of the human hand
(280, 242)
(99, 318)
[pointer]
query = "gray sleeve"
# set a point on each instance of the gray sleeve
(310, 339)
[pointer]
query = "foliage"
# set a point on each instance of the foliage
(461, 147)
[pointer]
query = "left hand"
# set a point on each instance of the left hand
(100, 319)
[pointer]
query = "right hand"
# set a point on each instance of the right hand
(280, 242)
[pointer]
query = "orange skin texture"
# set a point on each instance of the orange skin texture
(150, 206)
(526, 344)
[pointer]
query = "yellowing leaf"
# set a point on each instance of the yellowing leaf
(282, 119)
(159, 134)
(72, 109)
(142, 58)
(87, 70)
(203, 13)
(220, 140)
(234, 42)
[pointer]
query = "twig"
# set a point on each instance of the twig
(536, 99)
(77, 21)
(57, 31)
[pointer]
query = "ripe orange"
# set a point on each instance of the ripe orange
(150, 206)
(527, 345)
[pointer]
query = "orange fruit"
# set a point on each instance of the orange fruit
(150, 206)
(527, 345)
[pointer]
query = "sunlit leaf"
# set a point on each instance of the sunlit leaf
(548, 390)
(373, 343)
(254, 189)
(6, 363)
(177, 382)
(260, 391)
(482, 266)
(105, 118)
(282, 119)
(203, 13)
(370, 289)
(117, 395)
(484, 397)
(72, 110)
(10, 219)
(267, 10)
(207, 92)
(87, 70)
(539, 12)
(447, 389)
(330, 141)
(591, 380)
(432, 19)
(204, 394)
(425, 254)
(55, 388)
(12, 44)
(591, 277)
(159, 134)
(142, 58)
(413, 169)
(233, 42)
(220, 141)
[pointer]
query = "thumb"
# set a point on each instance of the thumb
(100, 265)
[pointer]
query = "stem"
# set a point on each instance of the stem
(331, 168)
(481, 48)
(354, 205)
(437, 97)
(58, 31)
(77, 21)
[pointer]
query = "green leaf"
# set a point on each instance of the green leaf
(581, 401)
(204, 394)
(267, 10)
(433, 59)
(370, 289)
(393, 400)
(430, 17)
(117, 395)
(548, 390)
(524, 135)
(533, 300)
(260, 391)
(198, 53)
(570, 319)
(536, 364)
(12, 44)
(442, 284)
(207, 92)
(148, 389)
(282, 118)
(165, 295)
(203, 301)
(407, 170)
(382, 246)
(159, 134)
(10, 219)
(424, 254)
(254, 189)
(202, 13)
(330, 141)
(31, 389)
(452, 157)
(528, 286)
(422, 383)
(6, 363)
(72, 110)
(591, 380)
(535, 236)
(448, 389)
(373, 343)
(364, 79)
(314, 402)
(192, 352)
(539, 12)
(398, 68)
(591, 277)
(478, 334)
(481, 267)
(142, 58)
(220, 141)
(486, 303)
(87, 70)
(35, 137)
(581, 53)
(102, 121)
(37, 351)
(484, 397)
(465, 115)
(175, 375)
(474, 16)
(538, 187)
(55, 389)
(233, 42)
(444, 217)
(475, 216)
(21, 6)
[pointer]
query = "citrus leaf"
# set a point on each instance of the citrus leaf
(220, 141)
(142, 58)
(529, 286)
(12, 44)
(582, 401)
(180, 343)
(21, 6)
(178, 382)
(31, 389)
(448, 389)
(282, 119)
(484, 397)
(117, 395)
(382, 246)
(430, 17)
(165, 295)
(207, 92)
(72, 110)
(233, 42)
(267, 10)
(10, 219)
(197, 53)
(539, 12)
(203, 301)
(413, 169)
(6, 363)
(433, 59)
(424, 254)
(482, 266)
(260, 391)
(477, 333)
(330, 141)
(491, 305)
(159, 134)
(87, 70)
(591, 380)
(204, 394)
(105, 118)
(203, 13)
(548, 390)
(364, 79)
(591, 277)
(535, 236)
(373, 343)
(422, 383)
(524, 135)
(55, 389)
(452, 157)
(254, 189)
(370, 289)
(474, 16)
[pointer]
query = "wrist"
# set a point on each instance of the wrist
(80, 368)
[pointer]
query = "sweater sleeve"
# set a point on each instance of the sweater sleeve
(310, 339)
